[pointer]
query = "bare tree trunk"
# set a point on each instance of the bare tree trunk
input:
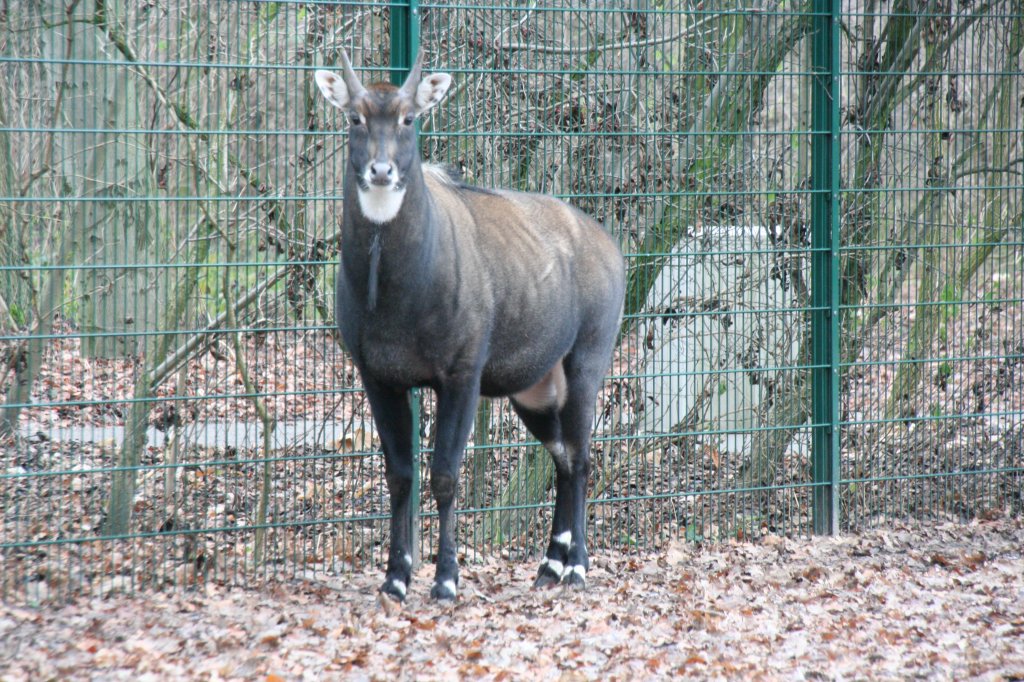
(513, 512)
(883, 86)
(182, 285)
(126, 300)
(737, 95)
(15, 298)
(476, 491)
(924, 330)
(29, 357)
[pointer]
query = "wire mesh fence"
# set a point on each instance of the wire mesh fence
(820, 205)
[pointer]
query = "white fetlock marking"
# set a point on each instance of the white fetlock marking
(408, 560)
(554, 564)
(580, 571)
(450, 586)
(564, 538)
(398, 585)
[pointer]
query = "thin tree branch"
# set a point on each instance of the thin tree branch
(989, 169)
(543, 49)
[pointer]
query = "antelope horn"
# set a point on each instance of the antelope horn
(355, 87)
(412, 81)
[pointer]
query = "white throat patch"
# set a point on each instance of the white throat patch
(380, 204)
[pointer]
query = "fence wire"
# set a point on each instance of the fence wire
(820, 205)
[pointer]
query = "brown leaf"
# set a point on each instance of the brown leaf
(711, 452)
(813, 574)
(572, 676)
(425, 625)
(973, 560)
(391, 606)
(678, 552)
(708, 620)
(271, 637)
(88, 644)
(360, 440)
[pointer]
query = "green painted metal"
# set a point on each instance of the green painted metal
(835, 234)
(405, 45)
(405, 37)
(825, 265)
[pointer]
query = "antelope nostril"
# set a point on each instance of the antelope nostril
(381, 170)
(381, 173)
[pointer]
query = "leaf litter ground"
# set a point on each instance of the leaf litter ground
(940, 602)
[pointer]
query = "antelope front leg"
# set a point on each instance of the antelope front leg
(393, 417)
(455, 408)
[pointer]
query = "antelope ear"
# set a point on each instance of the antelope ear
(333, 87)
(431, 90)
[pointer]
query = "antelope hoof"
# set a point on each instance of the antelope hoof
(395, 589)
(575, 577)
(444, 591)
(549, 574)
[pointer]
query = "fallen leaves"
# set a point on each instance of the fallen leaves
(390, 606)
(965, 561)
(942, 602)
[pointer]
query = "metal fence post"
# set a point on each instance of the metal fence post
(405, 44)
(405, 38)
(825, 265)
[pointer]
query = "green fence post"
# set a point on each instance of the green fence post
(825, 266)
(405, 38)
(405, 44)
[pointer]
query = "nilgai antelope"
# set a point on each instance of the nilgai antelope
(467, 291)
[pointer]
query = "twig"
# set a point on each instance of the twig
(988, 169)
(185, 122)
(542, 49)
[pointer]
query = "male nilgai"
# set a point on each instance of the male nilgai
(468, 291)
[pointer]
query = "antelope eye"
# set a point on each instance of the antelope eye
(409, 119)
(355, 119)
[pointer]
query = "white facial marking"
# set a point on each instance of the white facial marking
(564, 538)
(449, 585)
(554, 565)
(380, 204)
(398, 585)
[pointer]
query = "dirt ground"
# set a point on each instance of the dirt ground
(905, 601)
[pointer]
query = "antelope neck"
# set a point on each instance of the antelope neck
(376, 249)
